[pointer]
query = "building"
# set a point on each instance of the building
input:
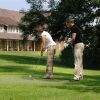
(11, 36)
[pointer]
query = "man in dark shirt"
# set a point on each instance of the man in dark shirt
(78, 47)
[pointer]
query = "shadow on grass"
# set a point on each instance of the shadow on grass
(18, 69)
(27, 60)
(21, 70)
(24, 59)
(88, 84)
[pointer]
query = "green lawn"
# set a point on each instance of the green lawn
(15, 84)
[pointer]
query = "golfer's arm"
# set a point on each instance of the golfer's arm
(43, 43)
(73, 38)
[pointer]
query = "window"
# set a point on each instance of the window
(11, 29)
(1, 28)
(14, 29)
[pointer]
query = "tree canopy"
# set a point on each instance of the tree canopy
(84, 12)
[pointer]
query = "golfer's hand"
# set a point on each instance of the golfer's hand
(41, 53)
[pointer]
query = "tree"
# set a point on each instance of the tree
(84, 12)
(81, 10)
(35, 15)
(32, 17)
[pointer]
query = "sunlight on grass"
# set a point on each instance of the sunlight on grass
(15, 83)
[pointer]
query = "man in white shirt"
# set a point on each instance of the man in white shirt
(50, 45)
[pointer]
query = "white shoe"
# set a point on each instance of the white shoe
(76, 79)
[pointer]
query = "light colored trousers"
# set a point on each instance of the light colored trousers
(50, 59)
(78, 60)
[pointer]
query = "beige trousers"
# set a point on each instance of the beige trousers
(78, 60)
(50, 59)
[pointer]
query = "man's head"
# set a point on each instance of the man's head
(69, 22)
(39, 29)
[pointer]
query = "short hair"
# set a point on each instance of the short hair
(70, 20)
(44, 26)
(38, 25)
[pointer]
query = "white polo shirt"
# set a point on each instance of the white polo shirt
(49, 40)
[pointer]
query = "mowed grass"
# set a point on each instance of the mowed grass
(15, 83)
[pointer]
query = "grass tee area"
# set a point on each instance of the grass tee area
(15, 83)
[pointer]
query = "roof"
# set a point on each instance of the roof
(12, 36)
(7, 21)
(10, 17)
